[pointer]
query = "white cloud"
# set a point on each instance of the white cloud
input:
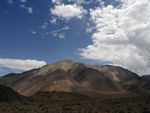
(122, 36)
(58, 34)
(78, 1)
(90, 29)
(68, 11)
(65, 28)
(61, 35)
(55, 32)
(29, 9)
(33, 32)
(44, 26)
(57, 1)
(20, 64)
(53, 20)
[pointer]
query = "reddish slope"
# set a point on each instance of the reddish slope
(69, 76)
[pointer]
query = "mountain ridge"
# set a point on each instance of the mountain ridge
(69, 76)
(7, 94)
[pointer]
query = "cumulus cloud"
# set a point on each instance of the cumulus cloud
(20, 64)
(33, 32)
(44, 26)
(53, 20)
(57, 1)
(29, 9)
(68, 11)
(61, 35)
(78, 1)
(89, 28)
(65, 27)
(122, 35)
(55, 32)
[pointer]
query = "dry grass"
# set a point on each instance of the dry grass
(71, 103)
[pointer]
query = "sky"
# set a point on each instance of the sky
(34, 33)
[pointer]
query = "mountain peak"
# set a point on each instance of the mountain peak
(64, 65)
(66, 61)
(70, 76)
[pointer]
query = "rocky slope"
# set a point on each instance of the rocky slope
(7, 94)
(146, 77)
(69, 76)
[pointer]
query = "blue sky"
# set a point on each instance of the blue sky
(38, 32)
(18, 41)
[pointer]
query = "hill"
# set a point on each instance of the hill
(7, 94)
(146, 77)
(68, 76)
(62, 102)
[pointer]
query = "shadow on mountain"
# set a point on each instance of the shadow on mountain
(72, 87)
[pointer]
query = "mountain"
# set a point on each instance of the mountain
(68, 76)
(7, 94)
(146, 77)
